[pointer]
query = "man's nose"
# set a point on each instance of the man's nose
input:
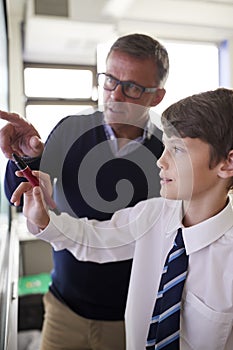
(117, 94)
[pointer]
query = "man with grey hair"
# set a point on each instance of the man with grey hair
(102, 162)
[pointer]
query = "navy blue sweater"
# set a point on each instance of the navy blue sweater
(89, 184)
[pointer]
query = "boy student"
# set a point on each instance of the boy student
(196, 170)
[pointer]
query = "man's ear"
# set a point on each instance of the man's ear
(226, 168)
(158, 96)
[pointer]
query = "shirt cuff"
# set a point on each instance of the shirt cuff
(52, 234)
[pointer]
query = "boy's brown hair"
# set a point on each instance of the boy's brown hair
(207, 116)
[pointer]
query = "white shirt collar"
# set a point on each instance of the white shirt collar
(203, 234)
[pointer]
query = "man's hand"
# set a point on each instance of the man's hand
(19, 136)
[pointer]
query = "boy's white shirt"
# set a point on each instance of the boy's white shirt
(146, 233)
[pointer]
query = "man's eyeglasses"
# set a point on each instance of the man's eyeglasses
(129, 89)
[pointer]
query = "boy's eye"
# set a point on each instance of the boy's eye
(176, 149)
(173, 146)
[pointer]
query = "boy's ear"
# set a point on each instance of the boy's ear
(226, 168)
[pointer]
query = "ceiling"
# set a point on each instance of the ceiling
(68, 31)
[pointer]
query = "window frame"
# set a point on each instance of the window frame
(60, 101)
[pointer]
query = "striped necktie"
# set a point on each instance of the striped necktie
(165, 322)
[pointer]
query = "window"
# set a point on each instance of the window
(194, 68)
(53, 92)
(58, 83)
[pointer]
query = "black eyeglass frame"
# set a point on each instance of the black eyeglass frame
(124, 83)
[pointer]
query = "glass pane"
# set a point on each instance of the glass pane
(45, 117)
(58, 83)
(194, 68)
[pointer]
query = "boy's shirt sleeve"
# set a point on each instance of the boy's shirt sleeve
(92, 240)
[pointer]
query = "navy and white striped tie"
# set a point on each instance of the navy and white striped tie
(165, 322)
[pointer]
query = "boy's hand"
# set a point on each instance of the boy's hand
(19, 136)
(34, 208)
